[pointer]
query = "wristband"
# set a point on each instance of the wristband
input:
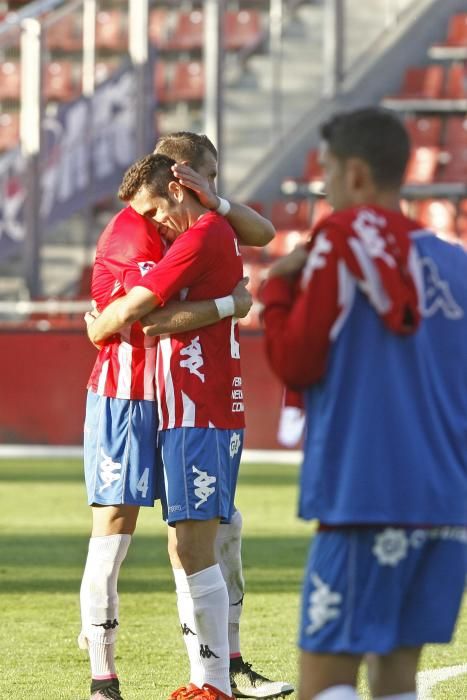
(224, 206)
(225, 306)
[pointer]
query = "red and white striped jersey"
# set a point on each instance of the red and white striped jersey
(127, 249)
(199, 382)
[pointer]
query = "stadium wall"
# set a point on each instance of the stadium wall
(43, 375)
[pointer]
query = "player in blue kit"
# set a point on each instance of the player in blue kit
(377, 339)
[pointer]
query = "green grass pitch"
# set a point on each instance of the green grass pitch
(44, 529)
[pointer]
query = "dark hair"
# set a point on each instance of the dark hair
(186, 145)
(153, 172)
(376, 136)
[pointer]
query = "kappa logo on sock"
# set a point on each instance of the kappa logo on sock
(108, 625)
(205, 652)
(186, 630)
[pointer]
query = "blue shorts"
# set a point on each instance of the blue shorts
(120, 452)
(200, 472)
(378, 589)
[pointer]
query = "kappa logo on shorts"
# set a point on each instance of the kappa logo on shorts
(203, 486)
(324, 605)
(108, 471)
(390, 546)
(195, 358)
(235, 444)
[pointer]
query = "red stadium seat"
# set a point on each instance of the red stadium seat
(422, 83)
(111, 31)
(285, 241)
(9, 130)
(439, 215)
(158, 29)
(456, 132)
(188, 82)
(321, 209)
(424, 131)
(454, 168)
(422, 165)
(242, 29)
(59, 82)
(457, 31)
(456, 83)
(10, 80)
(189, 32)
(291, 214)
(160, 80)
(66, 34)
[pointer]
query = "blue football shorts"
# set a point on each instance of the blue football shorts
(120, 451)
(378, 589)
(200, 470)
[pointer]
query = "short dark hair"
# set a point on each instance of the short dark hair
(186, 145)
(153, 172)
(375, 135)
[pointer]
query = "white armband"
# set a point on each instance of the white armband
(225, 306)
(224, 206)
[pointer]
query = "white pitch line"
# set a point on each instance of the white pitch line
(426, 680)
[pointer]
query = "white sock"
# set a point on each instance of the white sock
(338, 692)
(228, 554)
(99, 602)
(398, 696)
(187, 623)
(211, 606)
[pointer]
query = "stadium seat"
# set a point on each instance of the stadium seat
(422, 83)
(59, 82)
(456, 82)
(111, 31)
(439, 215)
(454, 167)
(189, 32)
(9, 130)
(321, 209)
(188, 82)
(291, 214)
(456, 132)
(242, 29)
(159, 27)
(10, 80)
(422, 165)
(66, 34)
(457, 31)
(424, 131)
(160, 80)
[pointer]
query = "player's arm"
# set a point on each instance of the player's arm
(251, 228)
(181, 316)
(122, 312)
(298, 328)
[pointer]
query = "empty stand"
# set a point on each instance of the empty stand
(159, 27)
(188, 82)
(312, 179)
(60, 84)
